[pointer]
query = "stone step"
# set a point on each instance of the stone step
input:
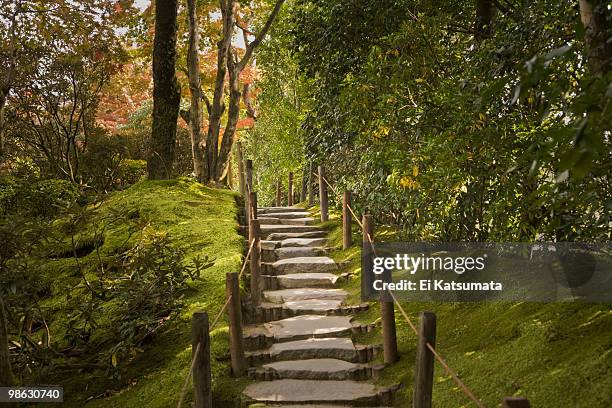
(288, 215)
(302, 264)
(339, 348)
(330, 347)
(302, 327)
(280, 236)
(273, 255)
(312, 369)
(299, 294)
(282, 221)
(298, 221)
(268, 221)
(313, 306)
(306, 280)
(303, 242)
(266, 312)
(299, 252)
(269, 245)
(267, 230)
(290, 391)
(272, 210)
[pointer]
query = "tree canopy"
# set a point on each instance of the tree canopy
(446, 133)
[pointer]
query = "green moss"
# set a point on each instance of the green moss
(554, 354)
(201, 222)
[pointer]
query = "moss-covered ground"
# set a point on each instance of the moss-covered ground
(557, 355)
(201, 222)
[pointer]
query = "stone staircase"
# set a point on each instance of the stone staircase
(301, 349)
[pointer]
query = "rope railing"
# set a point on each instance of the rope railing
(429, 346)
(212, 327)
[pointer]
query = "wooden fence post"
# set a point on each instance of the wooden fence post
(253, 205)
(248, 188)
(311, 184)
(278, 193)
(347, 237)
(290, 190)
(304, 188)
(229, 175)
(424, 367)
(241, 176)
(367, 257)
(202, 379)
(249, 174)
(234, 310)
(323, 199)
(255, 265)
(515, 402)
(387, 312)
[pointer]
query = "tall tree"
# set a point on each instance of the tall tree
(217, 108)
(166, 91)
(484, 15)
(200, 164)
(228, 59)
(595, 16)
(52, 67)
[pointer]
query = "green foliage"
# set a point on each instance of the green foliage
(8, 189)
(275, 144)
(107, 164)
(43, 198)
(131, 171)
(47, 197)
(149, 289)
(452, 138)
(137, 134)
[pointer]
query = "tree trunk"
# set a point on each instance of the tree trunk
(598, 49)
(6, 374)
(233, 115)
(248, 103)
(484, 16)
(217, 156)
(195, 114)
(217, 107)
(166, 91)
(305, 178)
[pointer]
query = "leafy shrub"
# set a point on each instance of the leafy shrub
(101, 160)
(22, 285)
(8, 190)
(43, 198)
(131, 171)
(46, 197)
(149, 290)
(24, 168)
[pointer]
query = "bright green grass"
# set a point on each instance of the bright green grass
(199, 220)
(557, 355)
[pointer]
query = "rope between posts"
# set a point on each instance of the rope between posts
(429, 346)
(211, 328)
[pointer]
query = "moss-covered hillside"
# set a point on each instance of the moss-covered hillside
(198, 221)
